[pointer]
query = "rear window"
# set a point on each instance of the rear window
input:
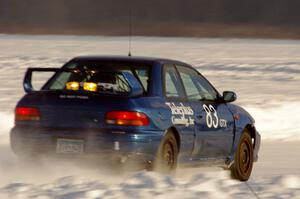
(99, 77)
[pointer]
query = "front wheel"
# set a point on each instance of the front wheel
(243, 160)
(166, 160)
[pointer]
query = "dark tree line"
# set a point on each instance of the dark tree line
(149, 17)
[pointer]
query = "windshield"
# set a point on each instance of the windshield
(98, 77)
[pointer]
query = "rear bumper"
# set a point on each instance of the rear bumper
(104, 143)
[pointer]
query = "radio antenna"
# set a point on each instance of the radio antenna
(130, 29)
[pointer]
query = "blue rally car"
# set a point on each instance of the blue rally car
(159, 111)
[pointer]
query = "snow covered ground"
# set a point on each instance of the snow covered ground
(152, 185)
(264, 74)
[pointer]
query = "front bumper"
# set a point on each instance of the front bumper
(257, 144)
(138, 144)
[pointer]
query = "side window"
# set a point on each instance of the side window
(206, 89)
(191, 89)
(197, 88)
(173, 87)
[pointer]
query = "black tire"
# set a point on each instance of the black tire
(166, 160)
(243, 160)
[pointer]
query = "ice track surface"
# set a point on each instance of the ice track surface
(264, 73)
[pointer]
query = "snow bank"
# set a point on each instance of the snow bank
(278, 122)
(6, 123)
(152, 185)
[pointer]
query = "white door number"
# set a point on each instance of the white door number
(212, 119)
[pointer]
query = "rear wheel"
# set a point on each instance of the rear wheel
(166, 160)
(243, 161)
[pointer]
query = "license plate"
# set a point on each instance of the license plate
(69, 146)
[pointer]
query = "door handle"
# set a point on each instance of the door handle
(199, 116)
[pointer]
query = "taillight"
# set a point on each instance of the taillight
(127, 118)
(27, 114)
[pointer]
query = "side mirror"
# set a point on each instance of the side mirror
(229, 96)
(135, 85)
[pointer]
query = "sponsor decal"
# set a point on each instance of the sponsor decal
(181, 114)
(73, 97)
(212, 119)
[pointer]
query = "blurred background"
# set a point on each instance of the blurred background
(201, 18)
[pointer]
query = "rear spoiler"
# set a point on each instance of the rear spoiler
(27, 85)
(134, 83)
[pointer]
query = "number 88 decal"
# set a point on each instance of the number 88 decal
(210, 113)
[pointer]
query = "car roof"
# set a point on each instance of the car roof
(128, 59)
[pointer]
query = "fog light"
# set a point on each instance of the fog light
(90, 86)
(74, 86)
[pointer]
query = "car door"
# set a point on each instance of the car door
(181, 115)
(214, 124)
